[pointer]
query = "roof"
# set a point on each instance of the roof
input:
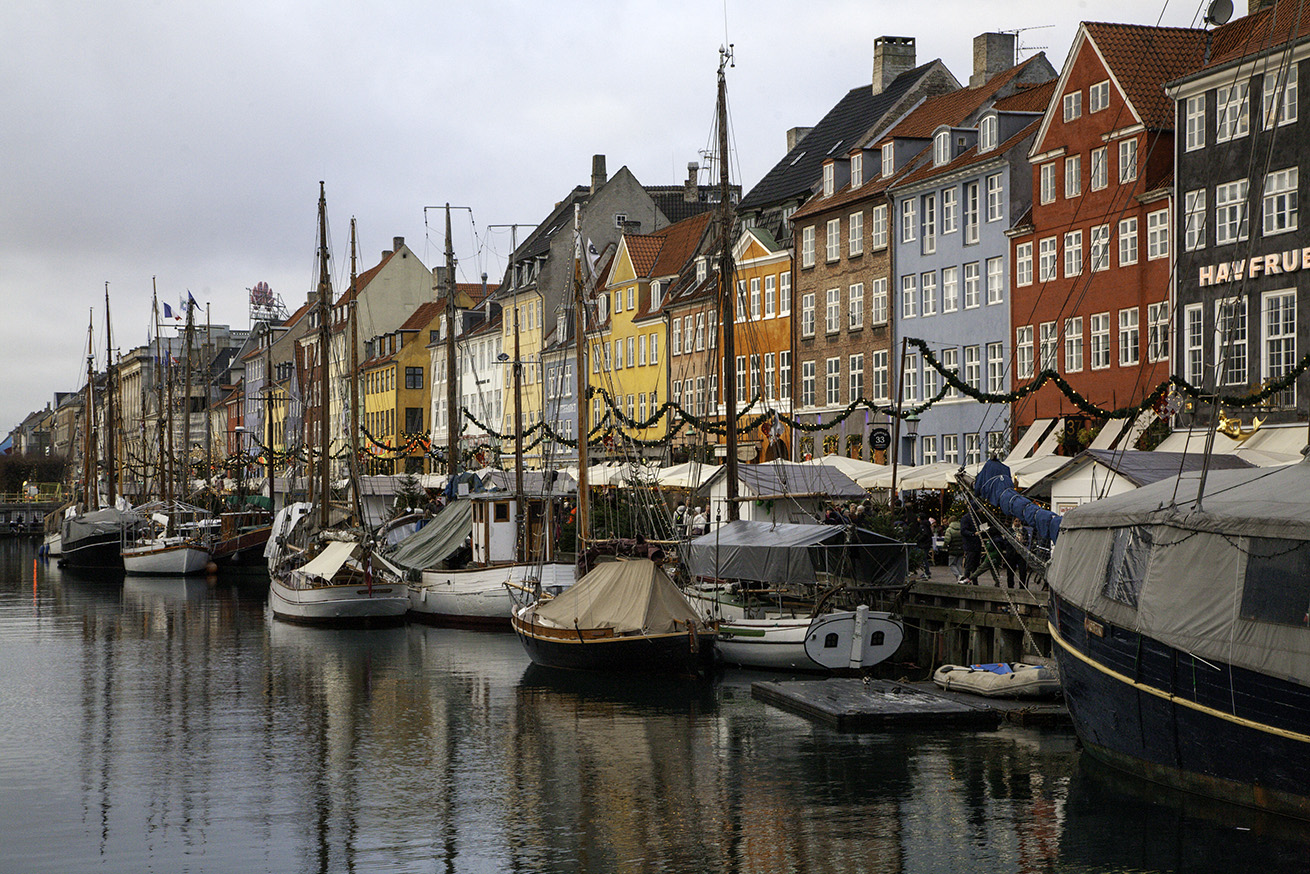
(1142, 58)
(970, 157)
(841, 130)
(1269, 28)
(1143, 468)
(792, 479)
(1027, 98)
(672, 200)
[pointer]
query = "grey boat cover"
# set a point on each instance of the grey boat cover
(794, 553)
(444, 534)
(628, 596)
(108, 520)
(782, 479)
(1228, 580)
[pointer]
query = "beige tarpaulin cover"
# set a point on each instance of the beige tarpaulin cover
(627, 596)
(326, 564)
(1191, 592)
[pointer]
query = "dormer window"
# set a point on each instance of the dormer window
(701, 269)
(857, 170)
(620, 218)
(655, 296)
(888, 158)
(987, 134)
(941, 148)
(829, 179)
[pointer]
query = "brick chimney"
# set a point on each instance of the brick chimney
(1254, 6)
(690, 190)
(598, 176)
(795, 135)
(892, 55)
(397, 243)
(992, 53)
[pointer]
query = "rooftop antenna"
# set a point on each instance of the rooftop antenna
(1018, 49)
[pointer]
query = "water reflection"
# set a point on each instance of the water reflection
(172, 724)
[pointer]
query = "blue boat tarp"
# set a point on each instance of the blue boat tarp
(995, 485)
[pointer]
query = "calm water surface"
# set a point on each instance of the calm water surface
(172, 725)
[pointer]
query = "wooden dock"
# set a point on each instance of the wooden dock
(850, 704)
(950, 623)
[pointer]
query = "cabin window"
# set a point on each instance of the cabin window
(502, 511)
(1128, 561)
(830, 640)
(1277, 584)
(877, 638)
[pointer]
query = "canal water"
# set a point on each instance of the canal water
(172, 725)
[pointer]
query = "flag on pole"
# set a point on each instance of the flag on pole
(169, 314)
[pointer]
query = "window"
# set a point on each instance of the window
(1100, 176)
(855, 307)
(1073, 176)
(973, 367)
(1232, 111)
(878, 301)
(930, 382)
(878, 226)
(950, 289)
(1047, 173)
(881, 388)
(971, 213)
(654, 348)
(1130, 551)
(1073, 344)
(770, 296)
(829, 177)
(784, 375)
(1073, 105)
(909, 221)
(641, 350)
(1130, 346)
(1280, 201)
(951, 364)
(1023, 351)
(741, 377)
(987, 134)
(1194, 220)
(1278, 103)
(632, 349)
(1127, 161)
(910, 379)
(413, 377)
(1047, 353)
(1280, 341)
(1073, 253)
(1157, 332)
(1128, 242)
(832, 384)
(769, 373)
(755, 378)
(888, 158)
(995, 198)
(1230, 341)
(700, 332)
(1046, 259)
(928, 294)
(1230, 212)
(909, 296)
(833, 249)
(971, 299)
(688, 336)
(740, 305)
(951, 448)
(972, 449)
(929, 224)
(929, 444)
(832, 312)
(807, 314)
(618, 354)
(950, 210)
(856, 233)
(941, 148)
(1276, 584)
(1100, 331)
(784, 297)
(1157, 234)
(807, 383)
(807, 246)
(995, 280)
(1194, 113)
(1023, 264)
(995, 368)
(1194, 343)
(1100, 247)
(675, 334)
(1098, 96)
(857, 170)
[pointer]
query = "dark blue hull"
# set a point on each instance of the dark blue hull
(98, 552)
(1196, 725)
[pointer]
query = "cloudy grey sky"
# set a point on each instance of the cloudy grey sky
(185, 141)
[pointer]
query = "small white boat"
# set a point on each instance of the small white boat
(338, 586)
(166, 555)
(838, 641)
(1012, 680)
(53, 545)
(481, 596)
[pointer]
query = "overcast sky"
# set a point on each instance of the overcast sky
(184, 142)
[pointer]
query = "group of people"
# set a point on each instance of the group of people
(690, 522)
(973, 547)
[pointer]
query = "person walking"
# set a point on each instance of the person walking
(700, 523)
(955, 548)
(973, 546)
(923, 541)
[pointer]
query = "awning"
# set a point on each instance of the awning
(1036, 431)
(326, 564)
(436, 540)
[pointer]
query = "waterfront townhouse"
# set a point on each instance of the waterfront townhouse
(763, 334)
(950, 287)
(691, 308)
(1092, 262)
(559, 395)
(396, 393)
(1243, 257)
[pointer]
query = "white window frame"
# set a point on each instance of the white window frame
(972, 285)
(996, 368)
(973, 367)
(971, 213)
(784, 296)
(1194, 343)
(1128, 241)
(832, 249)
(880, 373)
(1073, 176)
(878, 302)
(807, 246)
(941, 148)
(878, 226)
(1098, 96)
(910, 296)
(855, 306)
(855, 225)
(950, 209)
(928, 293)
(1194, 215)
(909, 220)
(1023, 351)
(1232, 111)
(832, 311)
(995, 198)
(1073, 105)
(1046, 174)
(1100, 247)
(1157, 332)
(807, 314)
(929, 229)
(1279, 202)
(1048, 259)
(1157, 234)
(1194, 122)
(1073, 254)
(951, 364)
(1100, 176)
(1130, 337)
(1278, 98)
(770, 296)
(1232, 333)
(1048, 349)
(1127, 161)
(1099, 334)
(950, 289)
(1278, 329)
(832, 382)
(1073, 344)
(855, 371)
(1023, 264)
(951, 448)
(987, 129)
(995, 280)
(910, 378)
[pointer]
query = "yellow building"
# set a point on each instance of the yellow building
(523, 311)
(396, 394)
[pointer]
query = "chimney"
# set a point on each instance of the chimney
(397, 243)
(598, 176)
(992, 53)
(690, 190)
(631, 226)
(892, 55)
(1254, 6)
(795, 135)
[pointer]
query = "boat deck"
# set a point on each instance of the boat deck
(850, 704)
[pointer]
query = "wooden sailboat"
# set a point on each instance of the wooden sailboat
(321, 574)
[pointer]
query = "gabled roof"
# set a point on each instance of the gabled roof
(969, 157)
(1028, 98)
(1142, 58)
(423, 315)
(363, 279)
(842, 129)
(643, 249)
(1267, 29)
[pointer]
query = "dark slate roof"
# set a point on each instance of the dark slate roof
(1142, 468)
(671, 200)
(845, 125)
(778, 479)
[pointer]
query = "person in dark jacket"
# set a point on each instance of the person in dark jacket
(955, 548)
(972, 546)
(923, 542)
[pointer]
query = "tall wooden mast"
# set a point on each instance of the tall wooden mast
(727, 299)
(580, 365)
(111, 422)
(90, 483)
(324, 342)
(453, 420)
(354, 380)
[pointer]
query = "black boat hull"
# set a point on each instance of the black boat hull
(1196, 725)
(683, 652)
(98, 552)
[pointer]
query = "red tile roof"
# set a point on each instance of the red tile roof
(1280, 23)
(643, 249)
(1143, 58)
(1029, 98)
